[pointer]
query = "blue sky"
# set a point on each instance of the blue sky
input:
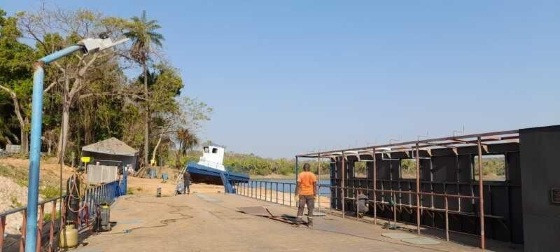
(286, 77)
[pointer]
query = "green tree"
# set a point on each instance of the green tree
(143, 34)
(15, 74)
(74, 75)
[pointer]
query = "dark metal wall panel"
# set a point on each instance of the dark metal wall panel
(445, 172)
(513, 169)
(540, 172)
(464, 166)
(516, 215)
(336, 175)
(453, 202)
(383, 170)
(426, 170)
(395, 165)
(449, 164)
(369, 168)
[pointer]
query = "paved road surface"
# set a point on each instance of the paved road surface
(211, 222)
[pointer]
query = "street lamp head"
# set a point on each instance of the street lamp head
(91, 45)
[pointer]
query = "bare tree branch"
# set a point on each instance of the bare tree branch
(49, 87)
(10, 91)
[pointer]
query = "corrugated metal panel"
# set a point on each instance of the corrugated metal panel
(98, 174)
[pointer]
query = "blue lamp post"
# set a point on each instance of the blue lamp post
(88, 45)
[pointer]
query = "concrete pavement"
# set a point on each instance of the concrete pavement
(211, 222)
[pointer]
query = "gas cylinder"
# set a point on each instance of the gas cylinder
(69, 237)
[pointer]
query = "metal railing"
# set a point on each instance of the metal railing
(271, 191)
(282, 193)
(48, 223)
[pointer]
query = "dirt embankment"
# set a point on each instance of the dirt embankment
(14, 179)
(14, 175)
(12, 196)
(18, 169)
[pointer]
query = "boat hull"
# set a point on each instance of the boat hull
(204, 174)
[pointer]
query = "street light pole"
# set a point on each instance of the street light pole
(86, 45)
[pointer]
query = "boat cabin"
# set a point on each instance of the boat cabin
(213, 157)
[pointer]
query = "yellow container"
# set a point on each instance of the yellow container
(69, 238)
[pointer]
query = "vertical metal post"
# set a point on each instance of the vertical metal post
(35, 144)
(481, 196)
(356, 200)
(290, 194)
(417, 189)
(446, 219)
(2, 227)
(265, 190)
(342, 185)
(34, 156)
(51, 229)
(40, 227)
(276, 192)
(374, 188)
(319, 182)
(297, 171)
(283, 192)
(24, 232)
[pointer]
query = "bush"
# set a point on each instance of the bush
(50, 192)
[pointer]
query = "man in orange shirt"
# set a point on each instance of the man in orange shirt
(306, 191)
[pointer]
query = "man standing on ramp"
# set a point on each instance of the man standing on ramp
(306, 191)
(186, 182)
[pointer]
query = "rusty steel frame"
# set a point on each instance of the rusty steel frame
(417, 189)
(454, 142)
(443, 142)
(374, 186)
(343, 171)
(318, 183)
(481, 195)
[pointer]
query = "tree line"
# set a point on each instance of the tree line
(131, 92)
(255, 165)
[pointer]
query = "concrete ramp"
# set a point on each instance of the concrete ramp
(255, 210)
(264, 212)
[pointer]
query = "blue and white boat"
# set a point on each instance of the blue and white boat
(211, 170)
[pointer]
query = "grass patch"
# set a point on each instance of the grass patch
(49, 191)
(48, 216)
(15, 202)
(17, 175)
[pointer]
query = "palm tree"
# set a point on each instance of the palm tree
(186, 140)
(143, 34)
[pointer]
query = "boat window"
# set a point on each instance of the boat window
(206, 150)
(214, 150)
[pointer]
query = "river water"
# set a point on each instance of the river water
(271, 184)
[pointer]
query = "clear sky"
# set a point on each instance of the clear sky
(286, 77)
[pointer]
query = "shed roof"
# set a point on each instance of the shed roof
(111, 146)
